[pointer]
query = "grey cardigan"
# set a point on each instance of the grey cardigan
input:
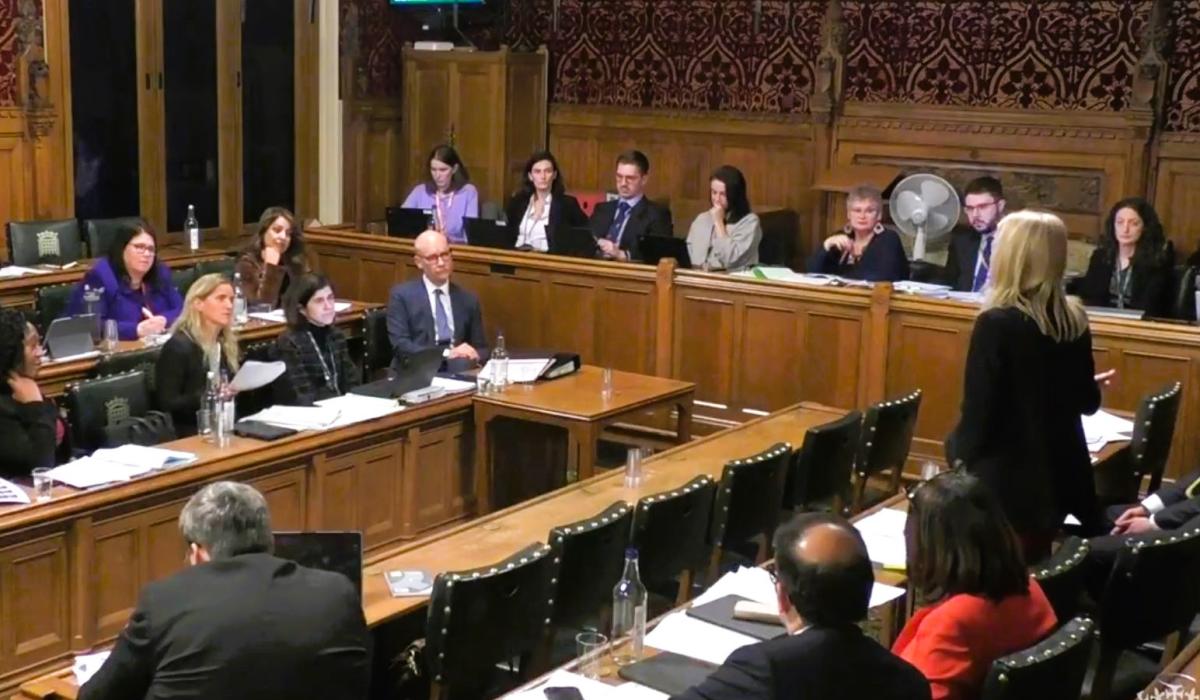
(737, 250)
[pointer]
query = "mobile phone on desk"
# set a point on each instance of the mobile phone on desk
(563, 694)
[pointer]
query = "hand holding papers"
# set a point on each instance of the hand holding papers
(254, 375)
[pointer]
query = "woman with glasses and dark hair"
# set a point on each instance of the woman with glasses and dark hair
(966, 569)
(542, 207)
(725, 237)
(273, 259)
(1131, 268)
(135, 287)
(314, 350)
(448, 193)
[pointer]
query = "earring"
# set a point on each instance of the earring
(846, 229)
(878, 229)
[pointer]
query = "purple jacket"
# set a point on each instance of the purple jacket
(123, 304)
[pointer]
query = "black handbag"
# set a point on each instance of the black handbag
(154, 428)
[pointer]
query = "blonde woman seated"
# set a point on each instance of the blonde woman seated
(725, 237)
(865, 249)
(202, 338)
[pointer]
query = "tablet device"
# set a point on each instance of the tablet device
(655, 248)
(406, 222)
(68, 337)
(576, 242)
(416, 373)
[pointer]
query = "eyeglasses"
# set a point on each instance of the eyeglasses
(979, 207)
(142, 248)
(436, 257)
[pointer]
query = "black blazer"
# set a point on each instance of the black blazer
(1149, 286)
(565, 213)
(29, 431)
(410, 321)
(959, 272)
(180, 380)
(821, 662)
(645, 219)
(1020, 430)
(245, 628)
(883, 260)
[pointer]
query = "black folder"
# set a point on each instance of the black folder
(720, 613)
(667, 672)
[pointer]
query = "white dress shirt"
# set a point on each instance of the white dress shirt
(433, 300)
(533, 228)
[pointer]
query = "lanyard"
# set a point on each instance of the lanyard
(441, 212)
(1123, 277)
(330, 377)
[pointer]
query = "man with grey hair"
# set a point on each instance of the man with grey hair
(238, 622)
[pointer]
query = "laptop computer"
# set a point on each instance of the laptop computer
(655, 248)
(576, 242)
(406, 222)
(417, 373)
(68, 337)
(489, 233)
(340, 552)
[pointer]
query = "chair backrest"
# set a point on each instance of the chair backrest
(589, 200)
(492, 211)
(591, 556)
(1062, 576)
(670, 530)
(1153, 431)
(1052, 668)
(224, 266)
(821, 469)
(887, 434)
(94, 404)
(377, 346)
(482, 616)
(142, 359)
(102, 232)
(50, 302)
(925, 271)
(1152, 589)
(750, 496)
(1183, 293)
(183, 278)
(56, 242)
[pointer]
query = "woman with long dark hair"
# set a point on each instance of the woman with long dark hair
(448, 193)
(274, 257)
(1131, 268)
(725, 237)
(542, 207)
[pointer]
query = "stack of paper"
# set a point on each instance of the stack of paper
(14, 271)
(11, 493)
(452, 386)
(522, 371)
(924, 289)
(683, 634)
(1102, 427)
(86, 472)
(883, 532)
(356, 408)
(967, 297)
(145, 458)
(299, 417)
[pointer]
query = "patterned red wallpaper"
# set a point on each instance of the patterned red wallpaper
(705, 54)
(8, 52)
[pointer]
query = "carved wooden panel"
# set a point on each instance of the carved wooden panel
(829, 367)
(624, 331)
(360, 490)
(704, 345)
(929, 353)
(570, 315)
(1177, 192)
(767, 374)
(441, 476)
(287, 496)
(33, 602)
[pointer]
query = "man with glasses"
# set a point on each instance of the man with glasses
(617, 225)
(970, 254)
(433, 311)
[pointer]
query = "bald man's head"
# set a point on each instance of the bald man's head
(432, 252)
(823, 566)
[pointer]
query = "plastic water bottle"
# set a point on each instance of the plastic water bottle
(192, 226)
(500, 364)
(240, 313)
(629, 613)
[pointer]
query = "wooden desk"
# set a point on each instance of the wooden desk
(54, 377)
(21, 290)
(575, 404)
(1182, 671)
(755, 346)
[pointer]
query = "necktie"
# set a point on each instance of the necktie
(440, 321)
(614, 231)
(985, 262)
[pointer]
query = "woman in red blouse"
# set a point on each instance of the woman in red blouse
(966, 569)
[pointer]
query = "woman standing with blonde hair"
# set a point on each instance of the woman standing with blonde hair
(202, 341)
(1029, 377)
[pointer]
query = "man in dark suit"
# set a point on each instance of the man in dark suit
(432, 310)
(618, 224)
(238, 622)
(823, 586)
(970, 254)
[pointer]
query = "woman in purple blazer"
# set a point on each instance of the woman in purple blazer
(448, 193)
(136, 289)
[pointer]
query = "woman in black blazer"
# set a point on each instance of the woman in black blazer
(1131, 269)
(1029, 377)
(541, 208)
(201, 338)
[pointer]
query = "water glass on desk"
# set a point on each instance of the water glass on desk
(606, 384)
(43, 484)
(588, 644)
(111, 339)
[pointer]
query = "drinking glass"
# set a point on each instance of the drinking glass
(588, 644)
(42, 484)
(606, 383)
(111, 337)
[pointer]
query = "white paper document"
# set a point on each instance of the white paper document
(11, 493)
(683, 634)
(298, 417)
(924, 289)
(452, 386)
(14, 271)
(882, 593)
(144, 458)
(883, 531)
(87, 472)
(253, 374)
(1102, 427)
(519, 371)
(355, 408)
(86, 665)
(750, 582)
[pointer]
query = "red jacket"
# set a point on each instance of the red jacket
(954, 642)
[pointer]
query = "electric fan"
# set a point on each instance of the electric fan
(924, 207)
